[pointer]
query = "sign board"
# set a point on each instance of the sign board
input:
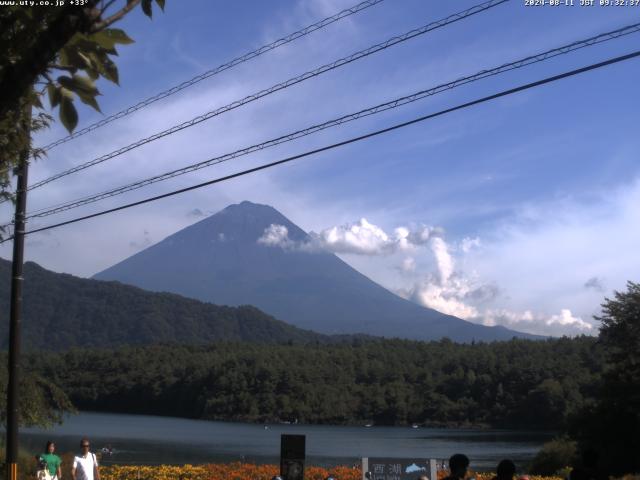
(398, 469)
(292, 456)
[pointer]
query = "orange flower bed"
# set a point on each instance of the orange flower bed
(247, 471)
(219, 471)
(244, 471)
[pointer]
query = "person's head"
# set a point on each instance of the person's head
(85, 445)
(458, 465)
(506, 470)
(51, 447)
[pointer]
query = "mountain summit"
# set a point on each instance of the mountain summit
(221, 260)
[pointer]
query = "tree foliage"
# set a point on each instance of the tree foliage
(42, 402)
(611, 426)
(384, 381)
(58, 52)
(554, 456)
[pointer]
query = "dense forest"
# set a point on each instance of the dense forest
(517, 383)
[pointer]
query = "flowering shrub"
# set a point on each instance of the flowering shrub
(160, 472)
(243, 471)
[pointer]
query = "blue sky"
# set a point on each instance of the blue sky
(534, 196)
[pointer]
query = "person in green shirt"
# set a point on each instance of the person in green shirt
(50, 462)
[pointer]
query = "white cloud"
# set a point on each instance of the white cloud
(408, 264)
(455, 293)
(365, 238)
(276, 236)
(467, 244)
(447, 298)
(359, 238)
(446, 288)
(558, 324)
(566, 318)
(544, 254)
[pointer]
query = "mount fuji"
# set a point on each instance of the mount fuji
(220, 260)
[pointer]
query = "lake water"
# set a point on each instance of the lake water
(140, 439)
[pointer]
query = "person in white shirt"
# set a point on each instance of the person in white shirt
(85, 465)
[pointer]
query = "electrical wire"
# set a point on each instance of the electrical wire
(280, 86)
(214, 71)
(347, 142)
(540, 57)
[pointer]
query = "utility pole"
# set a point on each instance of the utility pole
(16, 314)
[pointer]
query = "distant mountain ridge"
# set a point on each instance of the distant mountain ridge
(61, 311)
(220, 260)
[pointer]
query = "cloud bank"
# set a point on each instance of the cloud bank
(357, 238)
(444, 287)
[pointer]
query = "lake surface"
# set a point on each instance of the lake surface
(140, 439)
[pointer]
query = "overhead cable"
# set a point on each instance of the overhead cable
(346, 142)
(280, 86)
(214, 71)
(532, 59)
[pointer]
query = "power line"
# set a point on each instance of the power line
(603, 37)
(280, 86)
(221, 68)
(347, 142)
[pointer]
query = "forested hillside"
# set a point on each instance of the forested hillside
(516, 383)
(62, 311)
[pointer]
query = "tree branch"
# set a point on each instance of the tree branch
(115, 17)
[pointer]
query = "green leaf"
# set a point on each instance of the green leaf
(68, 113)
(110, 37)
(105, 67)
(93, 74)
(65, 93)
(118, 36)
(86, 91)
(160, 4)
(146, 8)
(86, 46)
(110, 71)
(64, 56)
(71, 57)
(86, 60)
(90, 100)
(54, 95)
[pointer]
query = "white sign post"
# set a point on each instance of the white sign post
(398, 468)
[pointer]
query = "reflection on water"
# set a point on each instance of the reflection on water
(154, 440)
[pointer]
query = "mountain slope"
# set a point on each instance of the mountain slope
(220, 260)
(62, 311)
